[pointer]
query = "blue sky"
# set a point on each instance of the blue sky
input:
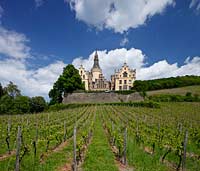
(39, 37)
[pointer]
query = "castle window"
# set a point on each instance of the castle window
(83, 76)
(125, 87)
(120, 87)
(81, 72)
(129, 81)
(125, 74)
(120, 81)
(125, 81)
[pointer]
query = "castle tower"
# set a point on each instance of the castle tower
(96, 70)
(84, 77)
(96, 61)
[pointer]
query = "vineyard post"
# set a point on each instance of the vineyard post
(64, 131)
(74, 162)
(137, 127)
(184, 150)
(113, 138)
(17, 163)
(36, 136)
(36, 139)
(8, 136)
(125, 144)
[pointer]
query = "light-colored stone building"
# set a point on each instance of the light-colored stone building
(94, 80)
(123, 79)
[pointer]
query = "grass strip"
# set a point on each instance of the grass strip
(99, 156)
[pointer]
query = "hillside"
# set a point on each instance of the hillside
(181, 91)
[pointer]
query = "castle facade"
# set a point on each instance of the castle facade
(94, 80)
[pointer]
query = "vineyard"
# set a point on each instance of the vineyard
(103, 138)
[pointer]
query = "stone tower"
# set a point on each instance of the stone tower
(96, 70)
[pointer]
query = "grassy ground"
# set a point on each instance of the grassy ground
(181, 91)
(142, 161)
(99, 156)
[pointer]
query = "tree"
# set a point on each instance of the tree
(1, 91)
(21, 105)
(38, 104)
(12, 90)
(68, 82)
(6, 104)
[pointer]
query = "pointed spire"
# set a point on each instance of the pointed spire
(96, 61)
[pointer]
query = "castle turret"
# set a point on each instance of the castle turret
(96, 61)
(96, 70)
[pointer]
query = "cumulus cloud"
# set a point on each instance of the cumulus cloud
(14, 67)
(119, 15)
(31, 82)
(135, 58)
(195, 4)
(13, 44)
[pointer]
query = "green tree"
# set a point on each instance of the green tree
(68, 82)
(38, 104)
(6, 104)
(21, 105)
(1, 90)
(12, 90)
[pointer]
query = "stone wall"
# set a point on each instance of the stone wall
(101, 97)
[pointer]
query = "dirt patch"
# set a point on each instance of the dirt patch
(7, 155)
(58, 148)
(148, 150)
(66, 167)
(193, 155)
(170, 165)
(123, 167)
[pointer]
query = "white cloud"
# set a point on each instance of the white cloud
(14, 67)
(30, 82)
(195, 4)
(119, 15)
(124, 41)
(114, 59)
(13, 44)
(39, 3)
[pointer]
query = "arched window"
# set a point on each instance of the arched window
(125, 74)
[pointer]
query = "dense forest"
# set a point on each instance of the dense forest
(12, 102)
(166, 83)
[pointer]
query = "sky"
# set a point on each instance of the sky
(39, 37)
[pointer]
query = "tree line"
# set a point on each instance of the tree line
(12, 102)
(166, 83)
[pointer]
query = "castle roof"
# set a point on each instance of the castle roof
(96, 61)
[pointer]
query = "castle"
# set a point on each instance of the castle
(122, 79)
